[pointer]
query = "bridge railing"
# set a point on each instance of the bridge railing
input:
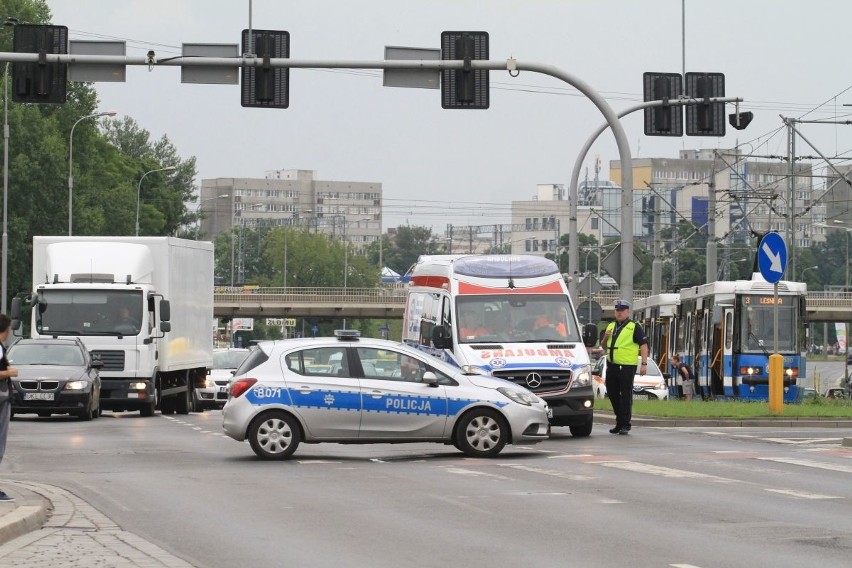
(395, 295)
(296, 295)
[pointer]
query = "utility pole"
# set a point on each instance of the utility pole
(712, 261)
(657, 263)
(791, 190)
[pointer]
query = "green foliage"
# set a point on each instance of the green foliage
(411, 242)
(108, 159)
(818, 407)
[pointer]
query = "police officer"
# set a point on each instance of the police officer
(624, 342)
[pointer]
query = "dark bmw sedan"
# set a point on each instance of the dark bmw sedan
(55, 376)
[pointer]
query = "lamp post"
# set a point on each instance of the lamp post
(5, 187)
(10, 22)
(198, 212)
(139, 190)
(233, 224)
(726, 264)
(802, 275)
(71, 163)
(346, 249)
(839, 225)
(346, 254)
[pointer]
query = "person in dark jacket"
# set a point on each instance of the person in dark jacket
(6, 373)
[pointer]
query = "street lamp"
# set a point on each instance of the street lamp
(10, 21)
(725, 265)
(198, 212)
(139, 190)
(346, 250)
(249, 206)
(848, 230)
(71, 162)
(802, 275)
(346, 254)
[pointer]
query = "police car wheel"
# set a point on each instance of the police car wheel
(274, 435)
(482, 433)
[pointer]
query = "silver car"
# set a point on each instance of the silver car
(349, 389)
(214, 393)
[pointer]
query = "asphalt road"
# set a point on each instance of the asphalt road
(658, 497)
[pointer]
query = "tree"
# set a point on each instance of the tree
(163, 195)
(409, 244)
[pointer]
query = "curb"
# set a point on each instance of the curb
(29, 514)
(607, 417)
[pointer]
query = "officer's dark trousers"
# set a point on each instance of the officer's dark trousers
(619, 389)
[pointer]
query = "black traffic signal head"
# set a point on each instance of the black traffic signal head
(40, 82)
(464, 88)
(705, 118)
(740, 121)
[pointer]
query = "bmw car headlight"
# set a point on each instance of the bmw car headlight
(582, 377)
(75, 385)
(525, 398)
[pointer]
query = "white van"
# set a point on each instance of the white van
(509, 316)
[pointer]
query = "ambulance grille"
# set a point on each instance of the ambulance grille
(539, 381)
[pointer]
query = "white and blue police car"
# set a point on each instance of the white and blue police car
(349, 389)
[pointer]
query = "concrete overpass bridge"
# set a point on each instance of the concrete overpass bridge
(388, 302)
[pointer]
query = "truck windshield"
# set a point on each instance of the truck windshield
(515, 318)
(89, 312)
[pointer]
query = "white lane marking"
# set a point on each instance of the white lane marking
(801, 494)
(811, 463)
(311, 462)
(665, 471)
(571, 456)
(683, 566)
(462, 471)
(610, 502)
(802, 440)
(550, 472)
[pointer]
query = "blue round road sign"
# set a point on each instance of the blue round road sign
(772, 257)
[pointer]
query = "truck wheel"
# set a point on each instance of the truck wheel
(482, 433)
(274, 435)
(582, 430)
(148, 409)
(182, 402)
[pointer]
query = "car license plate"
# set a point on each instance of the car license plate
(642, 396)
(38, 396)
(223, 389)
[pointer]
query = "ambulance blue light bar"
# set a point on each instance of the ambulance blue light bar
(504, 266)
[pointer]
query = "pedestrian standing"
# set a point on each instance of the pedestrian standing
(686, 375)
(6, 373)
(624, 342)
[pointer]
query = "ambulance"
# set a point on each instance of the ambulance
(509, 316)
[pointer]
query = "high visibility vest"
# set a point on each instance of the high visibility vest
(625, 351)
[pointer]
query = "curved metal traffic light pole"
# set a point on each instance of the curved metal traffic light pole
(626, 193)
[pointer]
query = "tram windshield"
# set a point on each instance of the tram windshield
(757, 325)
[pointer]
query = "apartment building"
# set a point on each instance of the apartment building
(341, 209)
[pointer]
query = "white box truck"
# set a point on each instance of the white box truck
(142, 305)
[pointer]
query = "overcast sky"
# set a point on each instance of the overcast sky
(783, 57)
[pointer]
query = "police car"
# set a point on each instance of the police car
(348, 389)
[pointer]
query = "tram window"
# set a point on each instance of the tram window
(729, 330)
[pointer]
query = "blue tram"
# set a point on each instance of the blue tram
(725, 332)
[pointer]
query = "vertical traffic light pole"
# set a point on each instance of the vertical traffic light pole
(626, 187)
